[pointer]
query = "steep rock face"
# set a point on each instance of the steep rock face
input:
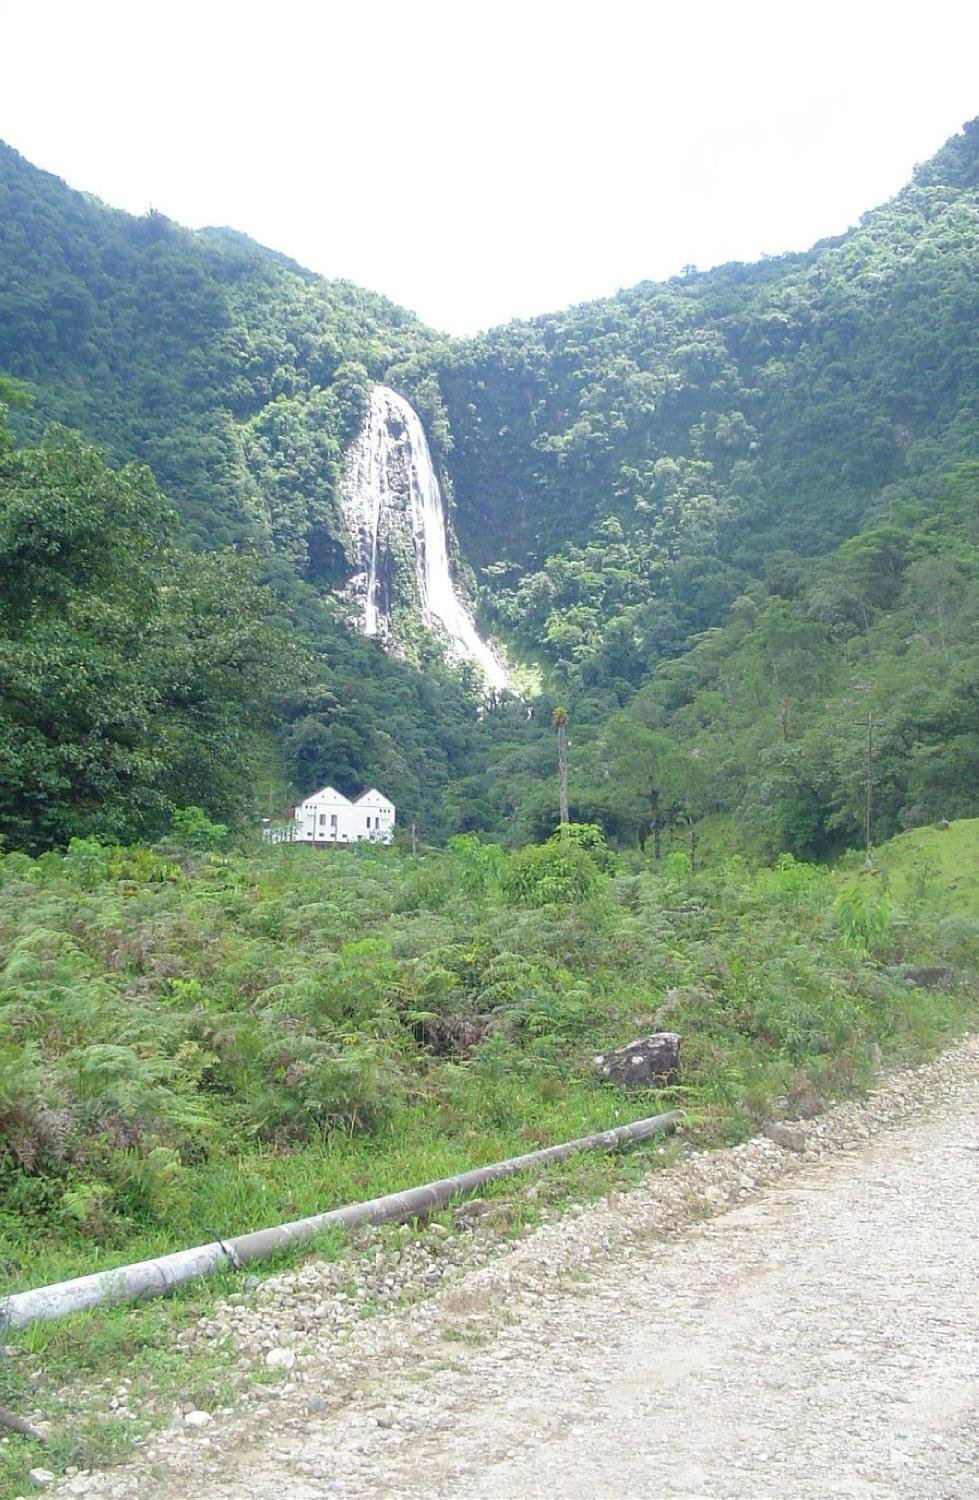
(395, 517)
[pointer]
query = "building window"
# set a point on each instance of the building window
(333, 822)
(322, 820)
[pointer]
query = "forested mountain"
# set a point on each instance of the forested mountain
(728, 414)
(729, 516)
(238, 377)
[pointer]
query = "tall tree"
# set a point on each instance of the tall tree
(560, 721)
(133, 674)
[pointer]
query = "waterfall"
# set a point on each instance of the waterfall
(392, 504)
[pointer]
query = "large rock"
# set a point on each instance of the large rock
(786, 1136)
(924, 976)
(649, 1062)
(930, 977)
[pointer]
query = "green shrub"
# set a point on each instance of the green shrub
(191, 827)
(477, 865)
(560, 872)
(863, 915)
(86, 863)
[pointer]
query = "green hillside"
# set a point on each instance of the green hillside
(731, 412)
(642, 460)
(234, 374)
(939, 866)
(725, 518)
(198, 1043)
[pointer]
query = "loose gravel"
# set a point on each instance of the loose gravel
(789, 1316)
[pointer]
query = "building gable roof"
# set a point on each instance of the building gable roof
(329, 796)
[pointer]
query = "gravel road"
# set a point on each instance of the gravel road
(821, 1341)
(816, 1339)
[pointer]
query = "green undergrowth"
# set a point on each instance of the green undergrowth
(71, 1368)
(198, 1045)
(936, 867)
(194, 1046)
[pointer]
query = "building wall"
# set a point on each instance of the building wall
(329, 817)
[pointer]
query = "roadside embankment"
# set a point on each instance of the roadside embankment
(356, 1391)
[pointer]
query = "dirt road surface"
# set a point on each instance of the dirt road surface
(818, 1340)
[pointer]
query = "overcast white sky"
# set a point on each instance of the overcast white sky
(480, 161)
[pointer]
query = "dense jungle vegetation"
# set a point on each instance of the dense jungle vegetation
(721, 520)
(190, 1037)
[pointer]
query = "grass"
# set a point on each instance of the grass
(935, 866)
(260, 1187)
(769, 997)
(72, 1366)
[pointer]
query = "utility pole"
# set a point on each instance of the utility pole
(654, 807)
(870, 790)
(559, 719)
(783, 718)
(414, 839)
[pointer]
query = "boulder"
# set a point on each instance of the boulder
(930, 977)
(786, 1136)
(647, 1063)
(923, 976)
(802, 1101)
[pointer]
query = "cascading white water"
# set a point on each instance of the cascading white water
(390, 490)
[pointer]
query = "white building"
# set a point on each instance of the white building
(328, 817)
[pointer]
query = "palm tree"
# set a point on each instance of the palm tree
(559, 719)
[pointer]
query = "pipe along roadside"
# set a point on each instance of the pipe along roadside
(154, 1278)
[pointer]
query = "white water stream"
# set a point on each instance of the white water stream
(390, 490)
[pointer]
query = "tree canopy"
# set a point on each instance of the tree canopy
(720, 520)
(135, 676)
